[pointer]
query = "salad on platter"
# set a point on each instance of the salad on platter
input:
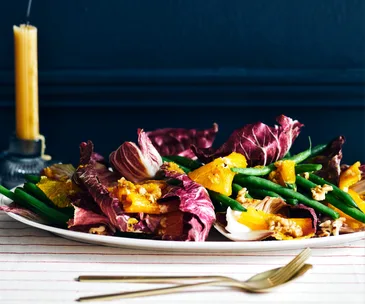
(174, 185)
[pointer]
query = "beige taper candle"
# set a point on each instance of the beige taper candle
(26, 82)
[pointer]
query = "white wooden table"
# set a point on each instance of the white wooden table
(38, 267)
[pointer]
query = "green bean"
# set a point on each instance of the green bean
(226, 201)
(318, 149)
(185, 161)
(53, 216)
(258, 182)
(262, 193)
(301, 168)
(292, 201)
(6, 192)
(235, 189)
(351, 211)
(255, 171)
(35, 191)
(347, 199)
(298, 158)
(292, 186)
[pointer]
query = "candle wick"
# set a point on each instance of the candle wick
(28, 11)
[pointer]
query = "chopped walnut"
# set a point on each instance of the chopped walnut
(241, 195)
(285, 226)
(152, 191)
(98, 230)
(330, 227)
(319, 192)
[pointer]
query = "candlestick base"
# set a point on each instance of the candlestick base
(23, 157)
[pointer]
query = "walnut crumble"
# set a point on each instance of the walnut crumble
(241, 195)
(330, 227)
(319, 192)
(101, 230)
(285, 226)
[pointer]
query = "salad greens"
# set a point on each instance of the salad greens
(169, 186)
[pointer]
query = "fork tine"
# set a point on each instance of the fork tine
(290, 269)
(300, 259)
(289, 274)
(296, 261)
(303, 253)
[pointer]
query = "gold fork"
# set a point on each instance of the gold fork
(259, 283)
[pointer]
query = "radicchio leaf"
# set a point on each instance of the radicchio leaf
(13, 208)
(134, 163)
(88, 174)
(330, 160)
(177, 141)
(92, 174)
(259, 143)
(195, 202)
(85, 219)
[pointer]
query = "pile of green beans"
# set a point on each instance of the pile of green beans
(259, 186)
(51, 215)
(298, 158)
(259, 182)
(31, 197)
(333, 200)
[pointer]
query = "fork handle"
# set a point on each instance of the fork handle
(144, 279)
(147, 292)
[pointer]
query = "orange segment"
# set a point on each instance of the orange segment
(217, 175)
(350, 176)
(254, 219)
(260, 220)
(356, 197)
(285, 172)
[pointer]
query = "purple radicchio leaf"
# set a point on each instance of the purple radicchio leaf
(177, 141)
(167, 226)
(106, 177)
(85, 219)
(88, 155)
(259, 143)
(195, 202)
(88, 174)
(134, 163)
(330, 160)
(13, 208)
(362, 169)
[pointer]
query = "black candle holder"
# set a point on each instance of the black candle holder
(22, 157)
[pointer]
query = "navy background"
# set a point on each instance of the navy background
(109, 67)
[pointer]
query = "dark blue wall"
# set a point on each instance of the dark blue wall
(109, 67)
